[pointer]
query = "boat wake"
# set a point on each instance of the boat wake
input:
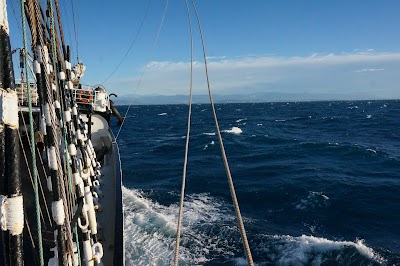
(150, 230)
(210, 236)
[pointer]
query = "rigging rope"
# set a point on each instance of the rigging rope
(60, 28)
(130, 47)
(44, 170)
(75, 30)
(59, 208)
(144, 69)
(32, 136)
(67, 21)
(29, 170)
(178, 230)
(228, 172)
(15, 16)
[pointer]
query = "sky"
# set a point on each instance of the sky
(288, 46)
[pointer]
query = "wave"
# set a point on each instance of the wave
(335, 117)
(233, 130)
(211, 143)
(312, 201)
(209, 232)
(311, 250)
(296, 118)
(150, 229)
(344, 149)
(147, 230)
(240, 120)
(353, 107)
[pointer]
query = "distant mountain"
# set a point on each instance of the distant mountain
(240, 98)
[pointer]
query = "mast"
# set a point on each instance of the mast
(11, 204)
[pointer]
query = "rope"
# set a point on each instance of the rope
(67, 22)
(145, 67)
(29, 171)
(29, 231)
(75, 30)
(67, 155)
(62, 188)
(178, 230)
(15, 16)
(32, 136)
(130, 47)
(228, 172)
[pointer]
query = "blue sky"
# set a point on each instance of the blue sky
(253, 46)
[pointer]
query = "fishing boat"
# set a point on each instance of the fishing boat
(60, 174)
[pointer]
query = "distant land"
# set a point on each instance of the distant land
(241, 98)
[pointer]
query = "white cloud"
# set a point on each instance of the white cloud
(369, 70)
(314, 73)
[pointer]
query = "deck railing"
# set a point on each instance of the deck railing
(85, 97)
(23, 94)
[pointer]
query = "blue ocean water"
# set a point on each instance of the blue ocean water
(318, 183)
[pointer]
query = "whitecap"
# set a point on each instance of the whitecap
(162, 114)
(150, 228)
(147, 230)
(259, 125)
(234, 130)
(209, 133)
(374, 151)
(300, 250)
(211, 143)
(313, 200)
(240, 120)
(280, 120)
(369, 116)
(353, 107)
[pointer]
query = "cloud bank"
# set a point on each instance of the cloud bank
(359, 72)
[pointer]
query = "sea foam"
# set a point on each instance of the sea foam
(150, 229)
(313, 200)
(234, 130)
(311, 250)
(208, 229)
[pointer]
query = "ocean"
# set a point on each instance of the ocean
(318, 183)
